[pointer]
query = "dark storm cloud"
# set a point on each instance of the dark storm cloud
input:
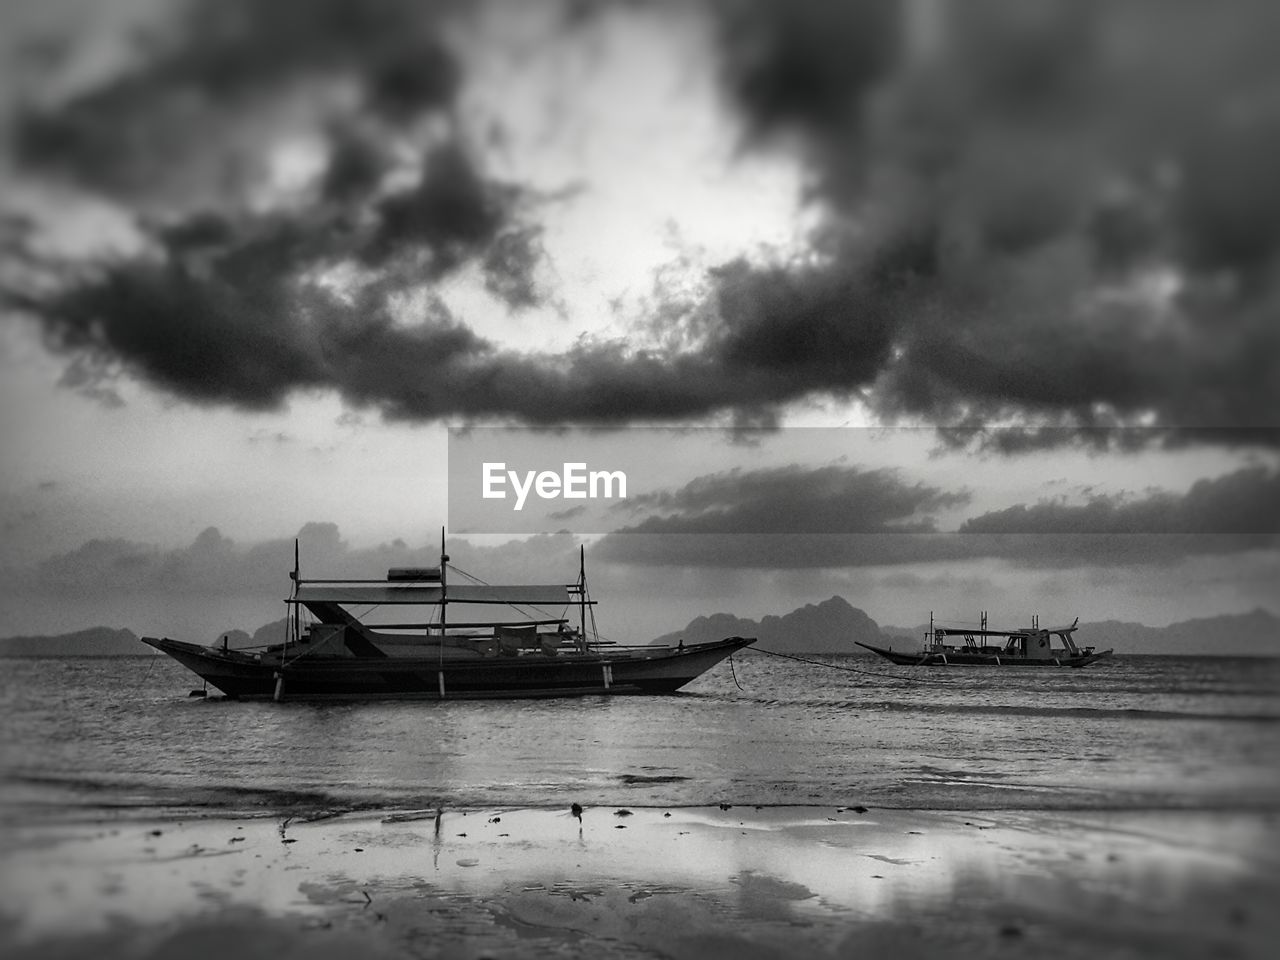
(227, 303)
(1021, 440)
(778, 325)
(356, 164)
(415, 76)
(239, 323)
(842, 517)
(183, 132)
(202, 80)
(1011, 171)
(1050, 214)
(1244, 502)
(794, 499)
(207, 339)
(451, 211)
(807, 63)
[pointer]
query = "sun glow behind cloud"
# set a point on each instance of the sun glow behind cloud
(619, 128)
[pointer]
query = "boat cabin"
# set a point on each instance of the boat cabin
(1027, 643)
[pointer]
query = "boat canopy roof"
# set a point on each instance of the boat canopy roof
(409, 593)
(1025, 631)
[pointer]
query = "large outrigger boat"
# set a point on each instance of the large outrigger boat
(330, 654)
(1025, 647)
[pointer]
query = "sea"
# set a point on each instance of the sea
(124, 738)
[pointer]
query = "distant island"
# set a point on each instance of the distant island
(832, 626)
(95, 642)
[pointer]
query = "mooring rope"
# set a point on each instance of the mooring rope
(832, 666)
(138, 683)
(734, 673)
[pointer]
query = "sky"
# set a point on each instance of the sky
(939, 307)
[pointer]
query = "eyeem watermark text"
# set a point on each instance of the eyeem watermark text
(574, 482)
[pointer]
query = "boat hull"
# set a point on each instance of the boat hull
(928, 658)
(240, 676)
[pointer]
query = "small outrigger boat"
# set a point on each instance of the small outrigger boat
(1027, 647)
(338, 657)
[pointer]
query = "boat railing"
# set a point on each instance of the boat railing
(437, 627)
(316, 581)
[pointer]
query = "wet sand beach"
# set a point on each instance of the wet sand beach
(739, 882)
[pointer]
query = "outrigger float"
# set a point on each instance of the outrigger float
(1026, 647)
(336, 656)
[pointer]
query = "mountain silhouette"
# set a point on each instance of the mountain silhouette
(94, 642)
(832, 626)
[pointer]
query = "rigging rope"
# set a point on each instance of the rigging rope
(521, 608)
(524, 608)
(832, 666)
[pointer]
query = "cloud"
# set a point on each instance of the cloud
(1016, 440)
(229, 294)
(777, 551)
(1246, 502)
(1061, 208)
(841, 517)
(213, 564)
(937, 583)
(1049, 215)
(816, 551)
(190, 109)
(794, 500)
(214, 583)
(451, 212)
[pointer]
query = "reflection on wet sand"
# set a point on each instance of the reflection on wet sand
(737, 881)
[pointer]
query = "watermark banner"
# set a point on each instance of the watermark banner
(512, 480)
(517, 480)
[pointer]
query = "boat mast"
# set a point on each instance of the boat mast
(292, 624)
(444, 590)
(582, 591)
(291, 621)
